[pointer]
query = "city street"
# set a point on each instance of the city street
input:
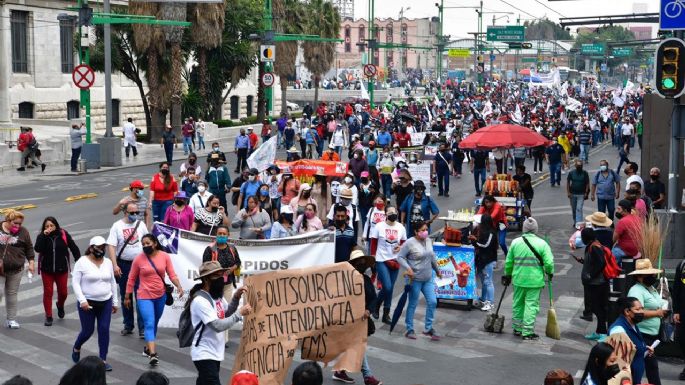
(466, 354)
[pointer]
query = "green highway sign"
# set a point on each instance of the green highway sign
(621, 52)
(592, 49)
(513, 33)
(528, 60)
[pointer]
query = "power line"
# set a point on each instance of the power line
(545, 5)
(515, 7)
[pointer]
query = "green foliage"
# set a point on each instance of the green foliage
(604, 35)
(545, 29)
(224, 123)
(192, 103)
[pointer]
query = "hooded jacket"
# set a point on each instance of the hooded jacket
(53, 251)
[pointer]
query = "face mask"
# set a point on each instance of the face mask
(603, 167)
(345, 202)
(216, 149)
(309, 214)
(148, 250)
(97, 253)
(201, 189)
(365, 180)
(216, 287)
(165, 171)
(654, 177)
(380, 206)
(251, 178)
(348, 179)
(221, 239)
(649, 280)
(422, 234)
(14, 229)
(619, 215)
(356, 156)
(340, 223)
(213, 209)
(638, 317)
(140, 193)
(132, 217)
(611, 371)
(392, 217)
(371, 146)
(264, 193)
(191, 161)
(180, 202)
(579, 168)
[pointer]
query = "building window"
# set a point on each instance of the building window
(362, 36)
(73, 109)
(348, 39)
(235, 100)
(25, 110)
(388, 33)
(19, 25)
(250, 103)
(66, 44)
(115, 113)
(403, 38)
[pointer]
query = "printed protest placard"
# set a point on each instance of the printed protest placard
(318, 309)
(625, 351)
(422, 172)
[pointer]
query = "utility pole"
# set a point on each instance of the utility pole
(441, 45)
(372, 43)
(268, 27)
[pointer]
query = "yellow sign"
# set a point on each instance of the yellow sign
(458, 52)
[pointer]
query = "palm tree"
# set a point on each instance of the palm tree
(174, 38)
(288, 18)
(206, 33)
(323, 20)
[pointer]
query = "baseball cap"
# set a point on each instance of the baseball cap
(137, 184)
(97, 241)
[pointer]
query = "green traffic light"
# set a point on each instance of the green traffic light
(668, 83)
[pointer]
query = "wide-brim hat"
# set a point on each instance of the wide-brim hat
(346, 193)
(358, 256)
(644, 267)
(292, 150)
(274, 167)
(209, 268)
(599, 219)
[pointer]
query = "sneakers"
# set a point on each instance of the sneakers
(517, 333)
(21, 169)
(342, 377)
(60, 312)
(371, 380)
(154, 359)
(108, 367)
(592, 337)
(75, 356)
(386, 316)
(126, 332)
(410, 334)
(432, 334)
(531, 337)
(42, 167)
(12, 324)
(146, 353)
(681, 376)
(487, 306)
(48, 321)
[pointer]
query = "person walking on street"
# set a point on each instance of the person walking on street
(495, 209)
(95, 288)
(218, 179)
(418, 259)
(585, 140)
(28, 145)
(387, 239)
(130, 132)
(594, 282)
(168, 143)
(220, 156)
(555, 155)
(241, 148)
(480, 161)
(123, 245)
(485, 243)
(252, 220)
(266, 130)
(162, 190)
(147, 273)
(200, 128)
(528, 261)
(188, 132)
(76, 134)
(17, 248)
(538, 158)
(254, 140)
(53, 245)
(209, 218)
(137, 196)
(443, 168)
(577, 189)
(418, 207)
(605, 187)
(525, 184)
(627, 134)
(179, 214)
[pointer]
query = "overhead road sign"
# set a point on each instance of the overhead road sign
(520, 45)
(592, 49)
(621, 52)
(514, 33)
(458, 52)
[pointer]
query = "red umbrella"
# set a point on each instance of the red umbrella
(503, 136)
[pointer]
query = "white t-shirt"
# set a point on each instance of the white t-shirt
(198, 169)
(198, 201)
(627, 129)
(95, 283)
(374, 217)
(120, 231)
(212, 344)
(129, 130)
(388, 237)
(338, 139)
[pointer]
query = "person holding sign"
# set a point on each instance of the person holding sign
(633, 313)
(214, 315)
(602, 365)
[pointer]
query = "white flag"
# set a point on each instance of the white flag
(365, 93)
(264, 155)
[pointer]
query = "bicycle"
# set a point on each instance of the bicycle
(674, 8)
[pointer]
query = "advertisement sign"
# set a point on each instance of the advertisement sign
(458, 269)
(309, 167)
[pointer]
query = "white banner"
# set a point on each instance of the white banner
(422, 172)
(257, 256)
(264, 155)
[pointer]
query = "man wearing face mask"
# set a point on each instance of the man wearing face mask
(632, 313)
(249, 188)
(199, 199)
(418, 207)
(627, 226)
(606, 185)
(137, 196)
(215, 150)
(577, 189)
(655, 189)
(123, 245)
(218, 179)
(241, 147)
(352, 213)
(345, 236)
(443, 168)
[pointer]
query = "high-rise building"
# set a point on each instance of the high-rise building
(345, 8)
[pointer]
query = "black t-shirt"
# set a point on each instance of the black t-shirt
(479, 158)
(402, 192)
(168, 137)
(227, 257)
(653, 190)
(237, 183)
(526, 189)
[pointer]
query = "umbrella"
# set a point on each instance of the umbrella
(503, 136)
(399, 308)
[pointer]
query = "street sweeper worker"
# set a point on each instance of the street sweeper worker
(527, 272)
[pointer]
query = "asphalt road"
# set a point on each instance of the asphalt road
(466, 354)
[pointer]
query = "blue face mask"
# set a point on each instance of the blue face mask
(140, 193)
(132, 217)
(221, 239)
(264, 192)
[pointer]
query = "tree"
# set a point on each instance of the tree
(206, 32)
(545, 29)
(288, 18)
(604, 35)
(174, 38)
(324, 20)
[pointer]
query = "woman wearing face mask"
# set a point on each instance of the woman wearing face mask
(417, 257)
(358, 165)
(632, 313)
(284, 227)
(209, 308)
(402, 187)
(348, 182)
(601, 365)
(368, 191)
(266, 203)
(309, 221)
(53, 245)
(97, 293)
(485, 243)
(374, 216)
(655, 309)
(208, 219)
(304, 198)
(162, 190)
(321, 194)
(252, 221)
(386, 239)
(180, 215)
(16, 248)
(289, 188)
(386, 165)
(594, 283)
(199, 199)
(149, 269)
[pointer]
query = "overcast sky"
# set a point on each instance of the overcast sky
(458, 22)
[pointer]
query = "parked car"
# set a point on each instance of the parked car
(293, 106)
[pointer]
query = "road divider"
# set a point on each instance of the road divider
(4, 210)
(81, 197)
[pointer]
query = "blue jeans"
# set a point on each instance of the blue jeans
(159, 209)
(444, 181)
(555, 173)
(169, 152)
(129, 321)
(479, 179)
(487, 291)
(200, 142)
(502, 237)
(366, 369)
(607, 206)
(577, 202)
(187, 144)
(386, 181)
(618, 254)
(75, 154)
(428, 290)
(584, 152)
(280, 139)
(387, 278)
(151, 310)
(103, 315)
(596, 137)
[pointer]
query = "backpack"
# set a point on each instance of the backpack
(611, 268)
(33, 143)
(186, 331)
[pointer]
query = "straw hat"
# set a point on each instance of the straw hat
(358, 255)
(346, 193)
(644, 267)
(599, 219)
(209, 268)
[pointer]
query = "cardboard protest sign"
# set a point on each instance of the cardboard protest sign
(625, 351)
(319, 309)
(422, 172)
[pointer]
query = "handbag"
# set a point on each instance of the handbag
(392, 264)
(168, 289)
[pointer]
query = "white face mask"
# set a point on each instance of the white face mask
(348, 179)
(251, 178)
(201, 189)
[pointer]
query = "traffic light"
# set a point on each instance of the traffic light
(85, 16)
(670, 68)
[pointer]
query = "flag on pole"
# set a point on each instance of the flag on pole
(264, 155)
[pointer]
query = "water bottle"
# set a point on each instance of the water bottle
(30, 276)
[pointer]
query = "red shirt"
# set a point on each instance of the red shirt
(254, 139)
(24, 140)
(150, 283)
(496, 213)
(627, 230)
(404, 140)
(162, 193)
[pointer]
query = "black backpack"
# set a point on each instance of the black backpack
(186, 331)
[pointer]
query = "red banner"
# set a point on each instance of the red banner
(310, 167)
